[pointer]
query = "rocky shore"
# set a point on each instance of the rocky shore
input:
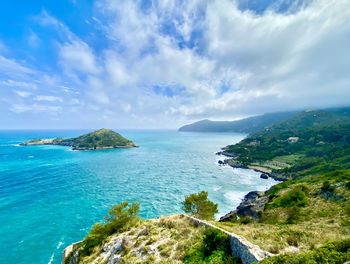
(253, 202)
(251, 206)
(232, 161)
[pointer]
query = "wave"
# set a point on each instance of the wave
(217, 188)
(235, 197)
(59, 244)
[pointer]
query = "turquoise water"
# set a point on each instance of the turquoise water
(50, 196)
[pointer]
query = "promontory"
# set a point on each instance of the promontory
(99, 139)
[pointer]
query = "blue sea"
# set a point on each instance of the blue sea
(50, 196)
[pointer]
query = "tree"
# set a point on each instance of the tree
(198, 205)
(120, 217)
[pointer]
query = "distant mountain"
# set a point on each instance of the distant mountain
(310, 141)
(99, 139)
(246, 125)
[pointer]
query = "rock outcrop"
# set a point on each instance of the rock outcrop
(251, 206)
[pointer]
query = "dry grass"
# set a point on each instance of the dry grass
(163, 240)
(320, 221)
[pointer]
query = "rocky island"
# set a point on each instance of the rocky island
(99, 139)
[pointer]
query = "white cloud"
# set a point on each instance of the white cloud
(35, 108)
(23, 94)
(48, 98)
(78, 56)
(173, 61)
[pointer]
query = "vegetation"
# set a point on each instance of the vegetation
(102, 138)
(166, 240)
(214, 249)
(163, 240)
(294, 197)
(120, 217)
(311, 208)
(200, 206)
(321, 144)
(99, 139)
(332, 253)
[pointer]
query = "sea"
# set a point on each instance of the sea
(50, 196)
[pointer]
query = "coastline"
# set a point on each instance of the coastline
(232, 162)
(253, 203)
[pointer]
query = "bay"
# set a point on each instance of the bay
(50, 196)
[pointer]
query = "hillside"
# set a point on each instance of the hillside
(124, 237)
(310, 141)
(99, 139)
(303, 214)
(246, 125)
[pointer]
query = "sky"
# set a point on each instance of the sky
(160, 64)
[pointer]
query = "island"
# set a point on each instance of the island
(96, 140)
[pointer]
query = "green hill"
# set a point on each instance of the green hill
(99, 139)
(311, 150)
(317, 140)
(246, 125)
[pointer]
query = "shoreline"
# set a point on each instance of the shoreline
(52, 142)
(253, 202)
(232, 162)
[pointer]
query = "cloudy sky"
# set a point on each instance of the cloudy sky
(161, 64)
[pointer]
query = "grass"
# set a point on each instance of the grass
(163, 240)
(332, 253)
(315, 220)
(288, 159)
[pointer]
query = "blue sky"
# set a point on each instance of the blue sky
(161, 64)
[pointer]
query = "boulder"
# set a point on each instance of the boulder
(229, 217)
(264, 176)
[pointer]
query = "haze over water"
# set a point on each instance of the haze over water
(50, 196)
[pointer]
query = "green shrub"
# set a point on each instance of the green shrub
(120, 217)
(214, 249)
(347, 185)
(327, 187)
(293, 215)
(295, 197)
(331, 253)
(245, 220)
(200, 206)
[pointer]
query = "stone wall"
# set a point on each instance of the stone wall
(240, 247)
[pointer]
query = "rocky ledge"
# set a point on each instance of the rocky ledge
(251, 206)
(233, 162)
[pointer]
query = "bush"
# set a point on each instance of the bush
(200, 206)
(120, 217)
(214, 249)
(327, 187)
(347, 185)
(293, 215)
(245, 220)
(331, 253)
(295, 197)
